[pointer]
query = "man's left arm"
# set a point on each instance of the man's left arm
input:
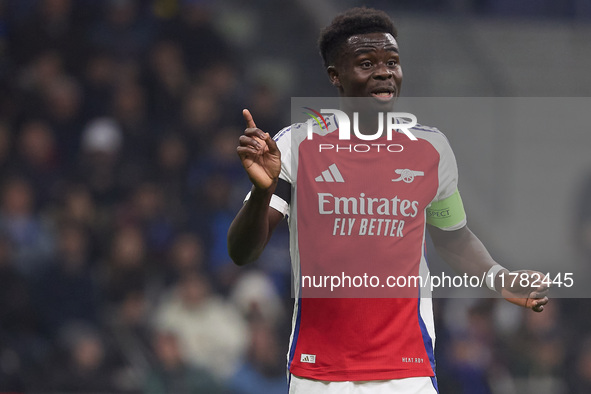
(465, 253)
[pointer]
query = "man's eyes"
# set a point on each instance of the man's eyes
(366, 64)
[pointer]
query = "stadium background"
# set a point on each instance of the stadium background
(119, 178)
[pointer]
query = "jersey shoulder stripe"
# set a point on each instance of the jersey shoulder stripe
(282, 132)
(426, 128)
(431, 134)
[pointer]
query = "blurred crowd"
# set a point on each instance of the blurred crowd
(119, 178)
(118, 126)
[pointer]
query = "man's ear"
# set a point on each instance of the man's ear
(333, 75)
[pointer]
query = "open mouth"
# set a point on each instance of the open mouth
(383, 94)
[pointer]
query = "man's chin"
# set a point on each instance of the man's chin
(382, 104)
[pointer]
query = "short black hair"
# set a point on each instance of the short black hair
(358, 20)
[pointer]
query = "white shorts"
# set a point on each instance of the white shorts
(420, 385)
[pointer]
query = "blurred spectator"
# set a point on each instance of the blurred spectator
(5, 149)
(129, 110)
(186, 255)
(127, 267)
(211, 331)
(194, 30)
(256, 296)
(173, 374)
(128, 327)
(84, 367)
(138, 142)
(20, 322)
(580, 376)
(125, 29)
(218, 186)
(100, 76)
(37, 160)
(57, 25)
(11, 376)
(77, 205)
(35, 79)
(263, 370)
(220, 160)
(213, 216)
(146, 209)
(99, 157)
(63, 100)
(67, 289)
(29, 233)
(268, 108)
(537, 352)
(167, 81)
(4, 40)
(131, 319)
(222, 80)
(16, 308)
(470, 357)
(201, 119)
(171, 173)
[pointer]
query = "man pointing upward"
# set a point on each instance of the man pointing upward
(362, 342)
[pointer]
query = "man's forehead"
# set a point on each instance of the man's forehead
(377, 40)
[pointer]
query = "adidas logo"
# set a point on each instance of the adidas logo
(331, 175)
(308, 358)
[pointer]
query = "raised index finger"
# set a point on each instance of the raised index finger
(248, 119)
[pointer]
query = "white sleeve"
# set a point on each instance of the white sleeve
(448, 171)
(446, 211)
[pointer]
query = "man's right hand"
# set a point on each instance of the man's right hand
(259, 155)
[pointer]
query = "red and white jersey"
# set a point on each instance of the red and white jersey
(359, 208)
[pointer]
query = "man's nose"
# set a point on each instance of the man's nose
(382, 72)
